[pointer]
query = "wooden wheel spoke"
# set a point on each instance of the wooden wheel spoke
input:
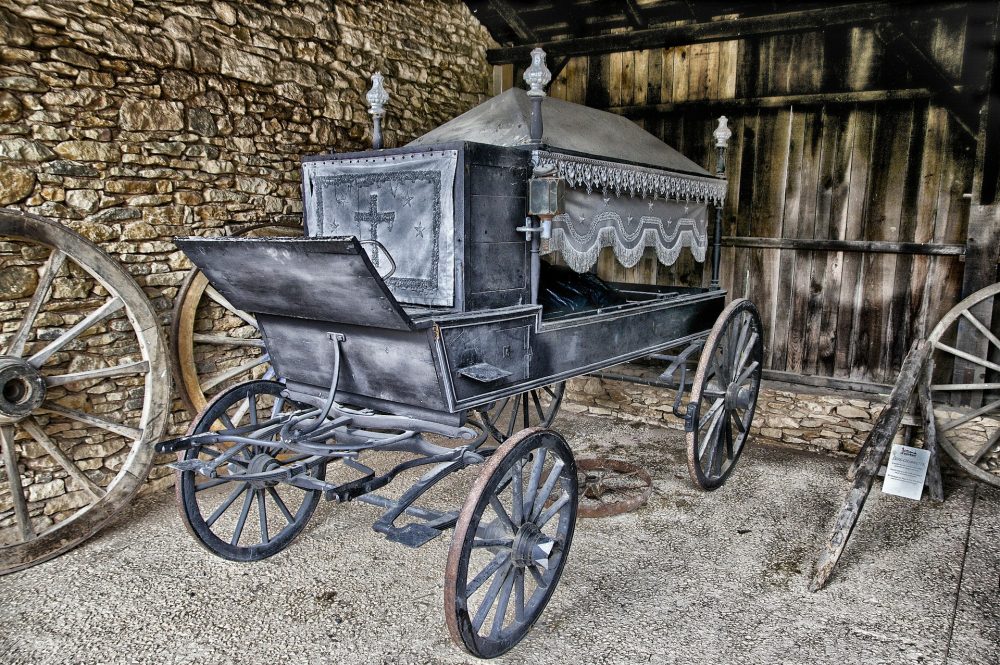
(213, 293)
(241, 522)
(501, 610)
(951, 424)
(501, 512)
(225, 340)
(745, 352)
(499, 561)
(746, 373)
(712, 432)
(738, 421)
(490, 598)
(262, 515)
(712, 411)
(559, 504)
(519, 595)
(516, 490)
(538, 406)
(279, 402)
(984, 331)
(967, 356)
(534, 478)
(209, 484)
(987, 447)
(285, 512)
(513, 415)
(34, 430)
(543, 494)
(103, 373)
(729, 439)
(102, 312)
(235, 371)
(49, 271)
(24, 527)
(227, 502)
(493, 542)
(539, 579)
(90, 419)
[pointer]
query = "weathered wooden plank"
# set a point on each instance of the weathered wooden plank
(869, 460)
(933, 482)
(863, 246)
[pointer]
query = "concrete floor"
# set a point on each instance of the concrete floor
(690, 578)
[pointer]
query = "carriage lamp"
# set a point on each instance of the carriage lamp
(546, 198)
(377, 98)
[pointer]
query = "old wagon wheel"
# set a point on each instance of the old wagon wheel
(511, 542)
(967, 402)
(611, 487)
(533, 408)
(214, 344)
(84, 389)
(244, 520)
(724, 394)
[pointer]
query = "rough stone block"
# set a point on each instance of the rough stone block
(151, 115)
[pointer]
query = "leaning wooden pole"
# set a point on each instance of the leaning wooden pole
(869, 460)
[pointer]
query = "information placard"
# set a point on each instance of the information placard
(905, 473)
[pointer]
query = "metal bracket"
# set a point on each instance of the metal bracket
(336, 337)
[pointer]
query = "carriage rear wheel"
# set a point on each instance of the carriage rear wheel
(511, 542)
(724, 394)
(241, 520)
(533, 408)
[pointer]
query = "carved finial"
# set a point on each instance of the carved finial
(537, 76)
(377, 99)
(722, 133)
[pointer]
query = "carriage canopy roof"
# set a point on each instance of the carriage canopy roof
(503, 120)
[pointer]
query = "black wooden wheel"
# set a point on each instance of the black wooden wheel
(511, 542)
(533, 408)
(724, 394)
(244, 521)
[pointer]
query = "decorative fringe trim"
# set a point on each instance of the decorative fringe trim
(581, 260)
(637, 181)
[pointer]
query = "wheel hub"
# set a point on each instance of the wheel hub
(532, 547)
(22, 389)
(261, 463)
(737, 397)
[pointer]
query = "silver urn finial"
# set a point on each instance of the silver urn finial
(377, 99)
(722, 135)
(537, 76)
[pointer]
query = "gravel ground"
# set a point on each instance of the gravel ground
(690, 578)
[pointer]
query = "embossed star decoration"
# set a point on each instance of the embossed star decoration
(404, 200)
(418, 229)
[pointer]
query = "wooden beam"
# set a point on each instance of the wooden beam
(777, 101)
(557, 65)
(726, 29)
(926, 70)
(865, 246)
(634, 14)
(514, 21)
(503, 78)
(869, 460)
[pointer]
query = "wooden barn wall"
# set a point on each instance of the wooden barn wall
(883, 171)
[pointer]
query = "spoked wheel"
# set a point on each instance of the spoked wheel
(966, 385)
(532, 408)
(724, 394)
(215, 344)
(84, 389)
(240, 520)
(511, 542)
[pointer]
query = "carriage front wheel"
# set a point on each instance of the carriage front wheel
(236, 519)
(724, 394)
(511, 542)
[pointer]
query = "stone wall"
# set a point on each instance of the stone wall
(135, 121)
(819, 421)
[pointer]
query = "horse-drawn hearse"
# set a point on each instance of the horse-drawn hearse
(418, 318)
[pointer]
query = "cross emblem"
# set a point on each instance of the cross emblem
(374, 218)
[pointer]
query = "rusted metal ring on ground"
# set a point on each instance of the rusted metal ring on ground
(591, 495)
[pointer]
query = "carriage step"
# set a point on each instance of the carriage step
(413, 534)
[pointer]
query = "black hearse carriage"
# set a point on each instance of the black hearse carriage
(418, 317)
